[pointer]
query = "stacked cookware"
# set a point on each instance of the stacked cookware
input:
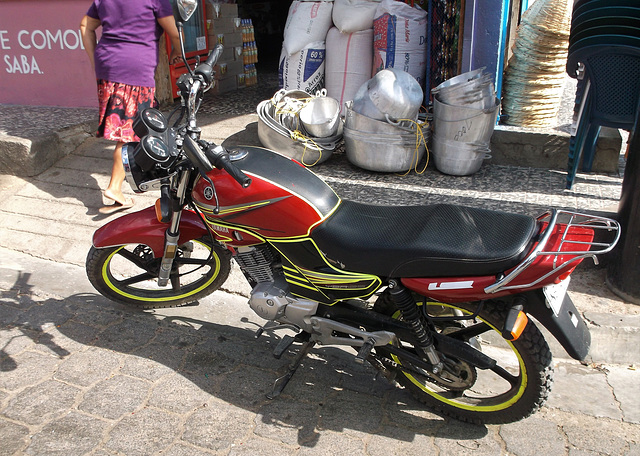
(382, 131)
(465, 109)
(301, 126)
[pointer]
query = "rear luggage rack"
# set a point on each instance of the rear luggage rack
(573, 219)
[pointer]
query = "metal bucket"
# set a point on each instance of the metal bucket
(461, 78)
(481, 97)
(458, 158)
(474, 89)
(460, 123)
(382, 152)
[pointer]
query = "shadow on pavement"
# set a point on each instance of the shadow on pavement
(328, 393)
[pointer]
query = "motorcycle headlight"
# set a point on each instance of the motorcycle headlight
(145, 161)
(151, 152)
(132, 171)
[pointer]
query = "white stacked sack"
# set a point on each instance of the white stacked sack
(302, 60)
(350, 48)
(349, 60)
(400, 39)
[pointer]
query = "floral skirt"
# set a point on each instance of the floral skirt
(118, 105)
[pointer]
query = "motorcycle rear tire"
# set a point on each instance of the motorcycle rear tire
(208, 272)
(532, 381)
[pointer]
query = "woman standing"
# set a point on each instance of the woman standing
(124, 61)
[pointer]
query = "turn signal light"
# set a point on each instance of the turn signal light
(515, 323)
(158, 211)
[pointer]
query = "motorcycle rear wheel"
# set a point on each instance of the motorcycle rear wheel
(128, 274)
(490, 397)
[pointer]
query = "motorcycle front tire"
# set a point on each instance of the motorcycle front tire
(127, 274)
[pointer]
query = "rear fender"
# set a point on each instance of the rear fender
(568, 327)
(143, 227)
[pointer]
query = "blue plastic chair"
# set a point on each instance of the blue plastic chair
(604, 30)
(577, 4)
(601, 21)
(578, 10)
(609, 92)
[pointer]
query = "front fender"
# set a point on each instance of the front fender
(143, 227)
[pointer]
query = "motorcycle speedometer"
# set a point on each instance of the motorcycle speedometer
(148, 121)
(150, 152)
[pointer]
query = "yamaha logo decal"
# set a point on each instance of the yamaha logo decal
(208, 193)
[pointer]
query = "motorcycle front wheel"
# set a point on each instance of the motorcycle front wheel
(514, 389)
(128, 274)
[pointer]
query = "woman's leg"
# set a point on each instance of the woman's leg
(114, 190)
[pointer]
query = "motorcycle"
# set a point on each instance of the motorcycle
(437, 298)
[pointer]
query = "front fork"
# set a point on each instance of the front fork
(172, 234)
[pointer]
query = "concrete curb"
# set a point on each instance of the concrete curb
(30, 157)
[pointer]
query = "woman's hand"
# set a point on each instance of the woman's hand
(168, 24)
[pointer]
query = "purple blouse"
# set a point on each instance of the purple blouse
(128, 48)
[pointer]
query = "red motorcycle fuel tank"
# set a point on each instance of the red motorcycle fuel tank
(285, 200)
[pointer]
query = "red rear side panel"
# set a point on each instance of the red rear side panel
(461, 289)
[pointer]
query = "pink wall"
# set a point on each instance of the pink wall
(42, 60)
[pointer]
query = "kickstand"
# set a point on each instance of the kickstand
(281, 382)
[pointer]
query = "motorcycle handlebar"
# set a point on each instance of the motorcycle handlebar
(206, 69)
(196, 156)
(217, 155)
(220, 159)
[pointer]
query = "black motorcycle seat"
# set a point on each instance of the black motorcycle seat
(439, 240)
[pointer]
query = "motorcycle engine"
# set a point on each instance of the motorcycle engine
(268, 301)
(269, 297)
(259, 266)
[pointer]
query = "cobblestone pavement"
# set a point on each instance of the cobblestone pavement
(80, 375)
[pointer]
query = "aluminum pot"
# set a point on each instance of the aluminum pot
(362, 123)
(382, 152)
(456, 158)
(460, 123)
(321, 116)
(391, 93)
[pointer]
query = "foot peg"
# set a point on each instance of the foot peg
(282, 346)
(271, 326)
(365, 350)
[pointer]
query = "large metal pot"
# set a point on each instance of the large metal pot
(391, 93)
(458, 158)
(382, 152)
(464, 124)
(364, 124)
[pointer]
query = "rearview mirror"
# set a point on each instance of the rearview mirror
(186, 8)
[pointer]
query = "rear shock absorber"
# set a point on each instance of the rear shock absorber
(404, 301)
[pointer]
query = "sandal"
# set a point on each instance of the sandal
(115, 207)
